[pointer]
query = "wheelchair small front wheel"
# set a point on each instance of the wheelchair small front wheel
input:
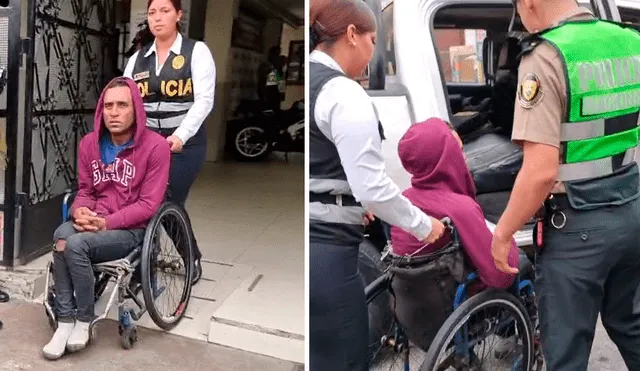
(128, 337)
(167, 230)
(488, 317)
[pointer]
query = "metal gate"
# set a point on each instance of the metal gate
(73, 53)
(10, 55)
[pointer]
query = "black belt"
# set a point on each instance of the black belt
(328, 198)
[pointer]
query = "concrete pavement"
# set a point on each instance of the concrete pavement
(26, 331)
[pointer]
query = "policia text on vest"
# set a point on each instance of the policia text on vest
(170, 88)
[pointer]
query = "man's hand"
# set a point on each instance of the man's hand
(500, 247)
(83, 212)
(176, 143)
(437, 230)
(81, 219)
(99, 223)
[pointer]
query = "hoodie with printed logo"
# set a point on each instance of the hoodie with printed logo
(128, 191)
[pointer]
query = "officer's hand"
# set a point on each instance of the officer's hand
(176, 143)
(500, 248)
(437, 230)
(368, 218)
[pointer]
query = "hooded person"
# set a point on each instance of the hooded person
(441, 186)
(123, 170)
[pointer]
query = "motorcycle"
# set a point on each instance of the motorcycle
(256, 131)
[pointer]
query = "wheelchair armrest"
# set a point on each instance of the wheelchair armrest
(67, 201)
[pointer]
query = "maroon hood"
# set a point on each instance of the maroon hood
(431, 154)
(443, 187)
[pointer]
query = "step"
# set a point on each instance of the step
(256, 341)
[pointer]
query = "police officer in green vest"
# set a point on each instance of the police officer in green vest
(576, 117)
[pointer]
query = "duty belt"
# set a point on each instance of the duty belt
(328, 198)
(554, 206)
(550, 214)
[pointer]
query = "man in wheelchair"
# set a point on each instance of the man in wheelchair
(442, 186)
(123, 170)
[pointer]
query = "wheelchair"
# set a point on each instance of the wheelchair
(137, 272)
(471, 316)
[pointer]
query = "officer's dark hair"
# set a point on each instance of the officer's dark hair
(329, 19)
(177, 4)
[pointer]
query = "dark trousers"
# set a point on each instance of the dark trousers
(338, 319)
(72, 268)
(590, 267)
(185, 167)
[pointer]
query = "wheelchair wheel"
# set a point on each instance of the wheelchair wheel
(167, 229)
(488, 317)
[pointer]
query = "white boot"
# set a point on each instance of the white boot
(55, 348)
(79, 337)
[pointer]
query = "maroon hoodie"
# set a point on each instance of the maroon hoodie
(441, 186)
(128, 196)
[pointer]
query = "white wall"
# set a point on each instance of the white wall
(217, 36)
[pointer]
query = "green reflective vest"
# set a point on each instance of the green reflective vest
(602, 66)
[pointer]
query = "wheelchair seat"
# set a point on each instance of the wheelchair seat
(130, 263)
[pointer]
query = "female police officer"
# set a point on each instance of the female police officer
(577, 118)
(176, 77)
(346, 175)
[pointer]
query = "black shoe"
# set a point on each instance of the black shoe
(4, 297)
(197, 272)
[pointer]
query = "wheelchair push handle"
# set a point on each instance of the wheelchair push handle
(447, 222)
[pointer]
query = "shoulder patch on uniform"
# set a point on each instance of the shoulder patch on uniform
(178, 62)
(530, 91)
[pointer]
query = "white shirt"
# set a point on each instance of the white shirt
(203, 75)
(346, 115)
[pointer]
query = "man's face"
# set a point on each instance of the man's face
(119, 114)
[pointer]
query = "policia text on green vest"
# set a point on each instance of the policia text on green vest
(610, 74)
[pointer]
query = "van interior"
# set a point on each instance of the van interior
(482, 112)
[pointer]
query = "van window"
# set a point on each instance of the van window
(460, 53)
(629, 15)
